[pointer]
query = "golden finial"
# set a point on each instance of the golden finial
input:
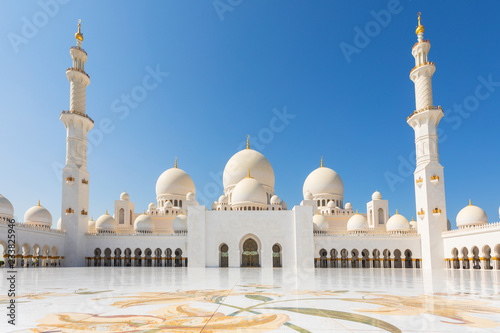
(182, 211)
(144, 212)
(249, 174)
(470, 202)
(38, 203)
(420, 28)
(107, 212)
(91, 218)
(321, 161)
(176, 162)
(412, 219)
(79, 35)
(248, 141)
(396, 212)
(356, 211)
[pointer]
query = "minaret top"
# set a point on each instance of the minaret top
(79, 35)
(420, 29)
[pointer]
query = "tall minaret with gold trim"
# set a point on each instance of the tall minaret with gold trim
(429, 176)
(75, 177)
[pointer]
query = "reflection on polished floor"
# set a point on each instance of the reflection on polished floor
(155, 299)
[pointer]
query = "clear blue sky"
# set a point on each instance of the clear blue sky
(229, 68)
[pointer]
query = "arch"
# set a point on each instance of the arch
(408, 259)
(158, 257)
(121, 216)
(497, 256)
(147, 257)
(456, 262)
(117, 261)
(178, 257)
(36, 255)
(365, 258)
(486, 254)
(381, 216)
(107, 257)
(343, 258)
(223, 255)
(127, 257)
(137, 257)
(397, 259)
(376, 258)
(354, 258)
(276, 255)
(476, 261)
(250, 251)
(323, 260)
(130, 218)
(97, 257)
(465, 258)
(387, 258)
(168, 257)
(333, 258)
(175, 203)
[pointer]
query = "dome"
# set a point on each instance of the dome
(168, 204)
(249, 190)
(331, 204)
(319, 223)
(376, 195)
(308, 196)
(323, 181)
(174, 181)
(180, 223)
(143, 223)
(238, 165)
(190, 196)
(275, 200)
(6, 208)
(106, 222)
(357, 222)
(124, 196)
(348, 206)
(470, 216)
(398, 222)
(223, 199)
(91, 224)
(38, 215)
(59, 224)
(152, 206)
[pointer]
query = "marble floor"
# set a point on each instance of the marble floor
(160, 299)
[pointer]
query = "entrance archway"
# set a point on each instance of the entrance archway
(276, 255)
(250, 254)
(224, 255)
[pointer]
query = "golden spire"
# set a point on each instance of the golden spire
(356, 212)
(249, 174)
(107, 212)
(176, 162)
(79, 35)
(470, 202)
(397, 212)
(144, 212)
(38, 203)
(248, 141)
(321, 161)
(412, 219)
(420, 28)
(91, 218)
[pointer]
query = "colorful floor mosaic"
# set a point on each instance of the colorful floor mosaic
(156, 299)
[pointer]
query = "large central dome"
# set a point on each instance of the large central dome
(174, 181)
(248, 159)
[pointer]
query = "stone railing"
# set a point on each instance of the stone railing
(95, 233)
(79, 48)
(423, 41)
(32, 227)
(488, 226)
(78, 70)
(78, 113)
(336, 232)
(425, 109)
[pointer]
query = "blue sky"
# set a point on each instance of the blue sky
(232, 67)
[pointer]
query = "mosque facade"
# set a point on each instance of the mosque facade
(249, 225)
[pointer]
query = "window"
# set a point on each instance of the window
(121, 216)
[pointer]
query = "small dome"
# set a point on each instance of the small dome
(470, 216)
(92, 224)
(174, 181)
(308, 196)
(190, 196)
(6, 208)
(358, 223)
(124, 196)
(152, 206)
(38, 215)
(323, 180)
(223, 199)
(376, 195)
(180, 223)
(168, 204)
(348, 206)
(331, 204)
(59, 224)
(320, 223)
(398, 222)
(275, 200)
(143, 223)
(249, 191)
(106, 223)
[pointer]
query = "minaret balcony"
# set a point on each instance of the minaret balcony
(81, 49)
(77, 113)
(436, 212)
(422, 41)
(425, 109)
(70, 180)
(422, 65)
(70, 211)
(78, 70)
(435, 179)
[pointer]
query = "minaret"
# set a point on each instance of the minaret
(75, 182)
(429, 180)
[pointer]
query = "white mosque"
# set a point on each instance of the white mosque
(249, 225)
